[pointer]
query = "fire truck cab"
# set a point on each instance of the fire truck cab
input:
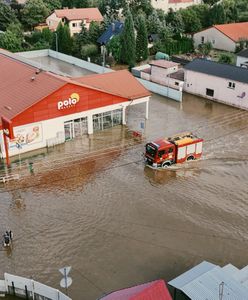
(176, 149)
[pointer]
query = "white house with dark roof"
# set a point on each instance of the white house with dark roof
(74, 18)
(219, 82)
(242, 59)
(223, 37)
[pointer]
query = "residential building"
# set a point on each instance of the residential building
(219, 82)
(74, 17)
(46, 109)
(175, 5)
(115, 28)
(210, 281)
(242, 59)
(223, 37)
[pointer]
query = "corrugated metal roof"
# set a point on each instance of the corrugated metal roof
(219, 70)
(191, 274)
(203, 282)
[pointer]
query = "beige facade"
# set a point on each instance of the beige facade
(216, 38)
(165, 5)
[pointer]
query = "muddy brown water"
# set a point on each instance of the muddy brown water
(91, 204)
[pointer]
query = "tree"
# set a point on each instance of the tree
(52, 4)
(153, 23)
(34, 12)
(128, 51)
(10, 41)
(94, 32)
(217, 15)
(191, 20)
(205, 48)
(79, 40)
(175, 20)
(210, 2)
(141, 39)
(225, 58)
(114, 47)
(7, 16)
(111, 8)
(65, 41)
(140, 6)
(88, 51)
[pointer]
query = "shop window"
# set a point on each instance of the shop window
(231, 85)
(209, 92)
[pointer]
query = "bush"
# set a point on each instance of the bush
(89, 50)
(225, 58)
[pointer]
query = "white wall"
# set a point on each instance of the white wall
(53, 21)
(241, 60)
(216, 38)
(197, 83)
(165, 5)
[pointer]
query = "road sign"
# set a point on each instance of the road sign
(65, 282)
(65, 271)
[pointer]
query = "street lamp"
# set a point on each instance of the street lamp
(56, 37)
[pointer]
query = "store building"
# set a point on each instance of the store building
(47, 109)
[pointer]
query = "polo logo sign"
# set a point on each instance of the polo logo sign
(70, 102)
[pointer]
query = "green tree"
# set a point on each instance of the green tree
(79, 40)
(217, 15)
(191, 20)
(153, 22)
(7, 16)
(140, 6)
(141, 39)
(175, 20)
(111, 8)
(52, 4)
(205, 48)
(64, 39)
(10, 41)
(114, 48)
(210, 2)
(128, 51)
(34, 12)
(225, 58)
(94, 32)
(89, 51)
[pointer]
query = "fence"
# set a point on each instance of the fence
(29, 289)
(162, 90)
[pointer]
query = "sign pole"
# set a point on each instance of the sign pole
(66, 287)
(6, 149)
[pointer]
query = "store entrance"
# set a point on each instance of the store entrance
(75, 128)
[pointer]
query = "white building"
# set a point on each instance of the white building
(74, 18)
(223, 37)
(165, 5)
(219, 82)
(242, 59)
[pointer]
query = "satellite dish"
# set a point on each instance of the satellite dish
(65, 282)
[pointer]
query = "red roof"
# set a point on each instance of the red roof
(155, 290)
(91, 14)
(22, 86)
(235, 31)
(119, 83)
(163, 63)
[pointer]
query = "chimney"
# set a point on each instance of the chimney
(113, 26)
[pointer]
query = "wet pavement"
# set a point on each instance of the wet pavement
(91, 204)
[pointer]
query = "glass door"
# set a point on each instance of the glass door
(68, 127)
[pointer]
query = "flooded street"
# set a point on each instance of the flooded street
(91, 204)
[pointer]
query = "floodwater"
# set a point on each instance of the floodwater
(93, 205)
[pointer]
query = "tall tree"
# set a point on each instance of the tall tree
(10, 41)
(217, 15)
(153, 22)
(52, 4)
(34, 12)
(7, 16)
(141, 39)
(191, 21)
(128, 51)
(64, 39)
(94, 32)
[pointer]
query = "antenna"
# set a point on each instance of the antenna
(221, 290)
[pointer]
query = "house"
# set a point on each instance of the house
(175, 5)
(242, 59)
(44, 108)
(219, 82)
(115, 28)
(74, 17)
(155, 290)
(223, 37)
(210, 281)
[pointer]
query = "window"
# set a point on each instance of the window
(74, 24)
(176, 83)
(231, 85)
(202, 39)
(210, 92)
(213, 42)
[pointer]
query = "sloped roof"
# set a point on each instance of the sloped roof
(243, 53)
(219, 70)
(114, 28)
(91, 14)
(21, 87)
(204, 281)
(147, 291)
(119, 83)
(235, 31)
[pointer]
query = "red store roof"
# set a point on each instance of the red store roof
(92, 14)
(155, 290)
(22, 86)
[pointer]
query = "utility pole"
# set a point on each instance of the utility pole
(56, 38)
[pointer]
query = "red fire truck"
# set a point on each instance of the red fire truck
(176, 149)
